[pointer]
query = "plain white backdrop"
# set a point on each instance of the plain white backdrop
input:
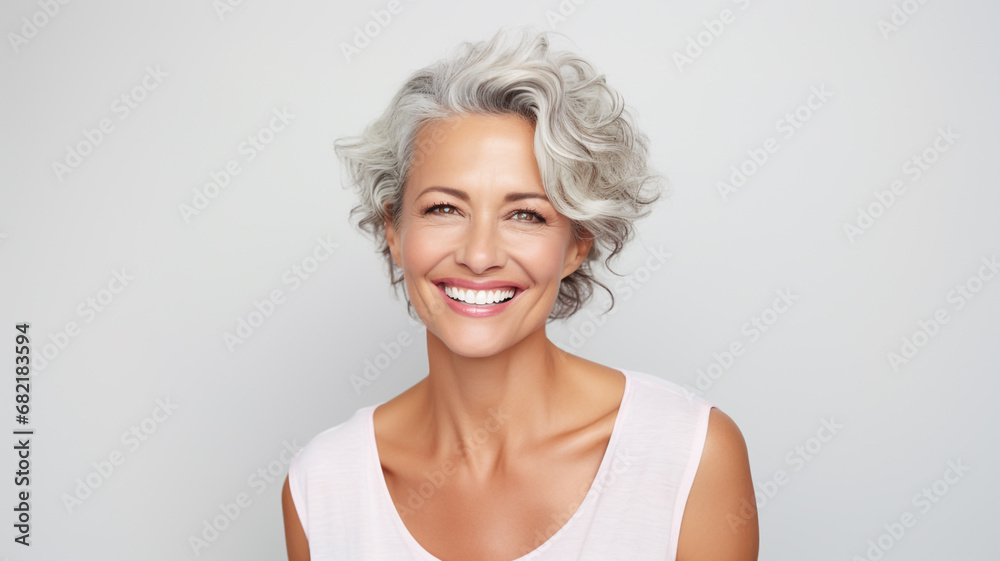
(168, 175)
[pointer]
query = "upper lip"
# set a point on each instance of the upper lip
(480, 284)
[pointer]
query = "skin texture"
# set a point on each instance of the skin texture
(295, 537)
(516, 427)
(720, 518)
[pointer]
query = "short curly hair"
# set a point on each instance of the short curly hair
(592, 159)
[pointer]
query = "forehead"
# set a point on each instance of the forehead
(476, 151)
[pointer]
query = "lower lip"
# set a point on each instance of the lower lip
(476, 311)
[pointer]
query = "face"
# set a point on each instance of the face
(481, 248)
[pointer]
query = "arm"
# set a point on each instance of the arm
(295, 537)
(720, 518)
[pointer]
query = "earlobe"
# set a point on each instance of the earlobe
(391, 235)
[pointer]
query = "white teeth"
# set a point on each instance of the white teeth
(479, 297)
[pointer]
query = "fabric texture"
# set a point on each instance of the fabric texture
(632, 511)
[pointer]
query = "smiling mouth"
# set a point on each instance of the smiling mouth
(479, 297)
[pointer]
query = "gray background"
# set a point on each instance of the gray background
(234, 409)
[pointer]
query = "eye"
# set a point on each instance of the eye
(441, 208)
(525, 215)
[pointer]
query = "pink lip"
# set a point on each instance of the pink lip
(479, 285)
(472, 310)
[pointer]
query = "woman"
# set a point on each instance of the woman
(492, 184)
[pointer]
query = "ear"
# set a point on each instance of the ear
(392, 236)
(578, 250)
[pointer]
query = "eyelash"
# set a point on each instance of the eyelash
(541, 219)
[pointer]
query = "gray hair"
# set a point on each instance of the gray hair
(592, 158)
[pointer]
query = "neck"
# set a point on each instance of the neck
(480, 409)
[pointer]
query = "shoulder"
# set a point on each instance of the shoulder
(328, 470)
(665, 393)
(339, 443)
(720, 516)
(656, 383)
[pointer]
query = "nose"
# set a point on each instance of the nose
(481, 250)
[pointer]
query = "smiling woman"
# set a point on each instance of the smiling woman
(475, 218)
(492, 184)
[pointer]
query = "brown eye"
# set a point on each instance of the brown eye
(441, 209)
(527, 216)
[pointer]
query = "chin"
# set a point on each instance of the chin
(470, 344)
(474, 352)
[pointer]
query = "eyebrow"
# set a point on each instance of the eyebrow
(510, 197)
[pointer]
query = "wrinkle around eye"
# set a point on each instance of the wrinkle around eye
(534, 217)
(433, 210)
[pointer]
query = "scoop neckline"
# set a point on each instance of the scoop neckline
(386, 498)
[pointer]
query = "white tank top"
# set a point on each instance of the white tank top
(632, 511)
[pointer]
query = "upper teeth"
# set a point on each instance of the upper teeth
(471, 296)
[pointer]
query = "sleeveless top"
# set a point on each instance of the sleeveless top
(632, 510)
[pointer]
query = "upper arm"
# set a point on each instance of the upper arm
(720, 517)
(295, 537)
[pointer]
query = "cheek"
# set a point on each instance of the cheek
(542, 259)
(421, 249)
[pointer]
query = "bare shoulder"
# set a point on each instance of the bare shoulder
(720, 518)
(295, 538)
